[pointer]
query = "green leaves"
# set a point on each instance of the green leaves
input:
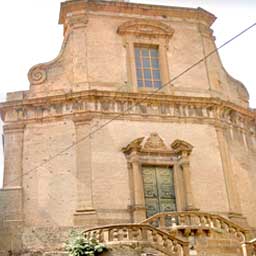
(78, 245)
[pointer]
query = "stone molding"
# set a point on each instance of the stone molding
(199, 14)
(158, 107)
(146, 28)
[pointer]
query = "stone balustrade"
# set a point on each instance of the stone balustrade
(250, 248)
(196, 222)
(139, 234)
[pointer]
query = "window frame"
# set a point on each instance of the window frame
(151, 68)
(146, 32)
(131, 63)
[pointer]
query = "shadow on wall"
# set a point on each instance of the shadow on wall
(2, 98)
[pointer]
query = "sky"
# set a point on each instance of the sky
(30, 34)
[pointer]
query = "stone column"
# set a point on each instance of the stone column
(139, 210)
(232, 194)
(84, 172)
(13, 155)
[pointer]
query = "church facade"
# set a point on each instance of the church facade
(134, 134)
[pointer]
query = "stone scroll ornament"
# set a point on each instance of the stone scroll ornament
(37, 75)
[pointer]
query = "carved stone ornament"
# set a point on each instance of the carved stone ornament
(37, 74)
(77, 20)
(146, 28)
(154, 142)
(180, 146)
(134, 145)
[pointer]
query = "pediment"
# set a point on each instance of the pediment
(154, 143)
(135, 145)
(181, 146)
(151, 143)
(146, 28)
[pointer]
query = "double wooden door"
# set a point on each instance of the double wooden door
(158, 189)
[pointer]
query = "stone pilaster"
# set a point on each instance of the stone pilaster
(139, 210)
(13, 154)
(76, 25)
(190, 206)
(232, 192)
(84, 206)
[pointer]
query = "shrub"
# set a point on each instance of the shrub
(78, 245)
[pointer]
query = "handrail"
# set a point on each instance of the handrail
(194, 220)
(139, 233)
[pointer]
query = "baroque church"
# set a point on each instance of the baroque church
(124, 137)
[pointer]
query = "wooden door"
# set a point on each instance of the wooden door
(158, 189)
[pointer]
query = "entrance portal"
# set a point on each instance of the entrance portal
(158, 189)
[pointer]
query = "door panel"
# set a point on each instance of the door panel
(158, 189)
(152, 206)
(150, 187)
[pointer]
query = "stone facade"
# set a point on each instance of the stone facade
(75, 144)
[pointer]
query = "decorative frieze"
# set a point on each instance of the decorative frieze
(163, 107)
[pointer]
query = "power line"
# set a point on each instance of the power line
(137, 103)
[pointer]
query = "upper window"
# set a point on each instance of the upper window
(146, 45)
(147, 67)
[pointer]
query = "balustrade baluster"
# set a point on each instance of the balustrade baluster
(105, 235)
(115, 234)
(154, 236)
(144, 234)
(124, 234)
(189, 220)
(218, 223)
(162, 221)
(94, 234)
(165, 242)
(135, 233)
(182, 220)
(110, 235)
(173, 221)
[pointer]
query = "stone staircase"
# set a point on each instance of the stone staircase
(179, 234)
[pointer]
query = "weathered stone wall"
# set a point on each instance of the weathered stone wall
(51, 187)
(87, 61)
(58, 176)
(243, 153)
(50, 192)
(110, 168)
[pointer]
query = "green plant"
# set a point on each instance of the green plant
(78, 245)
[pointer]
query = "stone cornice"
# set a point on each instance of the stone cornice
(198, 14)
(107, 103)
